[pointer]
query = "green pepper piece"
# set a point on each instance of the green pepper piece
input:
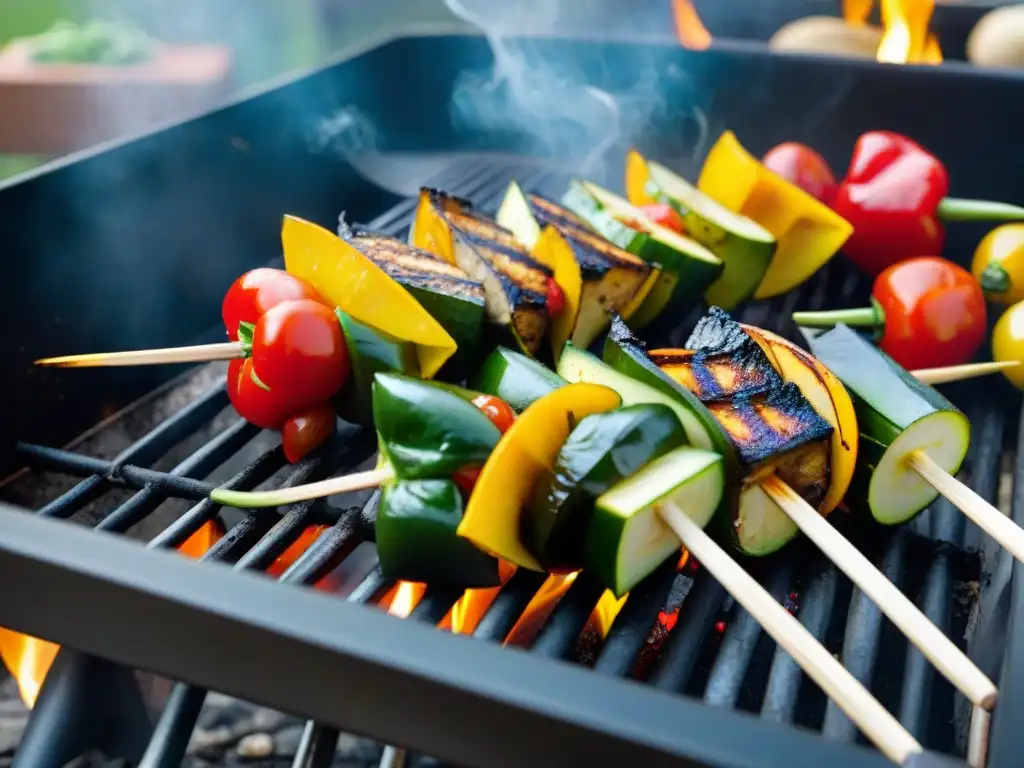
(602, 450)
(426, 430)
(370, 351)
(417, 522)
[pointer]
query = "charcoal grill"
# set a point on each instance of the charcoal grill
(133, 245)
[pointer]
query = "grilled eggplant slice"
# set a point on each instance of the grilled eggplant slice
(610, 276)
(514, 284)
(452, 298)
(720, 362)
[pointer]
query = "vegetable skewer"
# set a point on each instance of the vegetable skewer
(874, 721)
(918, 440)
(717, 328)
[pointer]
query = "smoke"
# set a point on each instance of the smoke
(551, 102)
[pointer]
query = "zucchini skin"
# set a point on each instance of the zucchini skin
(515, 378)
(603, 449)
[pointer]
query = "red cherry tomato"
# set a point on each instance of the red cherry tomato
(497, 410)
(257, 291)
(466, 479)
(556, 299)
(934, 313)
(802, 166)
(253, 402)
(665, 215)
(307, 430)
(298, 351)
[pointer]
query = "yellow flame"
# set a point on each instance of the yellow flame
(28, 658)
(690, 31)
(407, 595)
(856, 12)
(605, 611)
(906, 39)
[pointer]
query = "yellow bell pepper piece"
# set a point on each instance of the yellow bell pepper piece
(828, 397)
(362, 290)
(552, 251)
(430, 231)
(528, 449)
(809, 233)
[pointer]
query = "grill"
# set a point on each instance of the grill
(683, 677)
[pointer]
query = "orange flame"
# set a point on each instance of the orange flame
(690, 31)
(905, 39)
(471, 607)
(28, 658)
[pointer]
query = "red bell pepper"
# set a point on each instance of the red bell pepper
(296, 358)
(926, 313)
(894, 195)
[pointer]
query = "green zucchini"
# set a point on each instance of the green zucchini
(626, 539)
(896, 415)
(417, 540)
(426, 430)
(687, 267)
(744, 246)
(451, 297)
(603, 449)
(370, 351)
(515, 378)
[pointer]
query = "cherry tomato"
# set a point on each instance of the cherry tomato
(497, 410)
(556, 299)
(934, 313)
(298, 351)
(307, 430)
(253, 402)
(664, 215)
(257, 291)
(1008, 342)
(466, 479)
(802, 166)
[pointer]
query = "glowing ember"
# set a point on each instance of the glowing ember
(28, 658)
(403, 597)
(690, 31)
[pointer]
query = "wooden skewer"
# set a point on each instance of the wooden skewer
(197, 354)
(874, 721)
(977, 742)
(987, 517)
(961, 372)
(937, 648)
(360, 481)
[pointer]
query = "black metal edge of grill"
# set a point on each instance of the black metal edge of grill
(67, 578)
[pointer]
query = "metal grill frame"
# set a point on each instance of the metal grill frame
(111, 599)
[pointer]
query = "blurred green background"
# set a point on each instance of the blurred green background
(267, 37)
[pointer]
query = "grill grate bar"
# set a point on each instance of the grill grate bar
(862, 640)
(568, 619)
(190, 522)
(696, 616)
(317, 746)
(145, 450)
(785, 676)
(631, 627)
(509, 604)
(202, 462)
(739, 643)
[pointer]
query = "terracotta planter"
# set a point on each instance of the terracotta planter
(60, 108)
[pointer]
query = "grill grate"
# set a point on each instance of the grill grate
(714, 650)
